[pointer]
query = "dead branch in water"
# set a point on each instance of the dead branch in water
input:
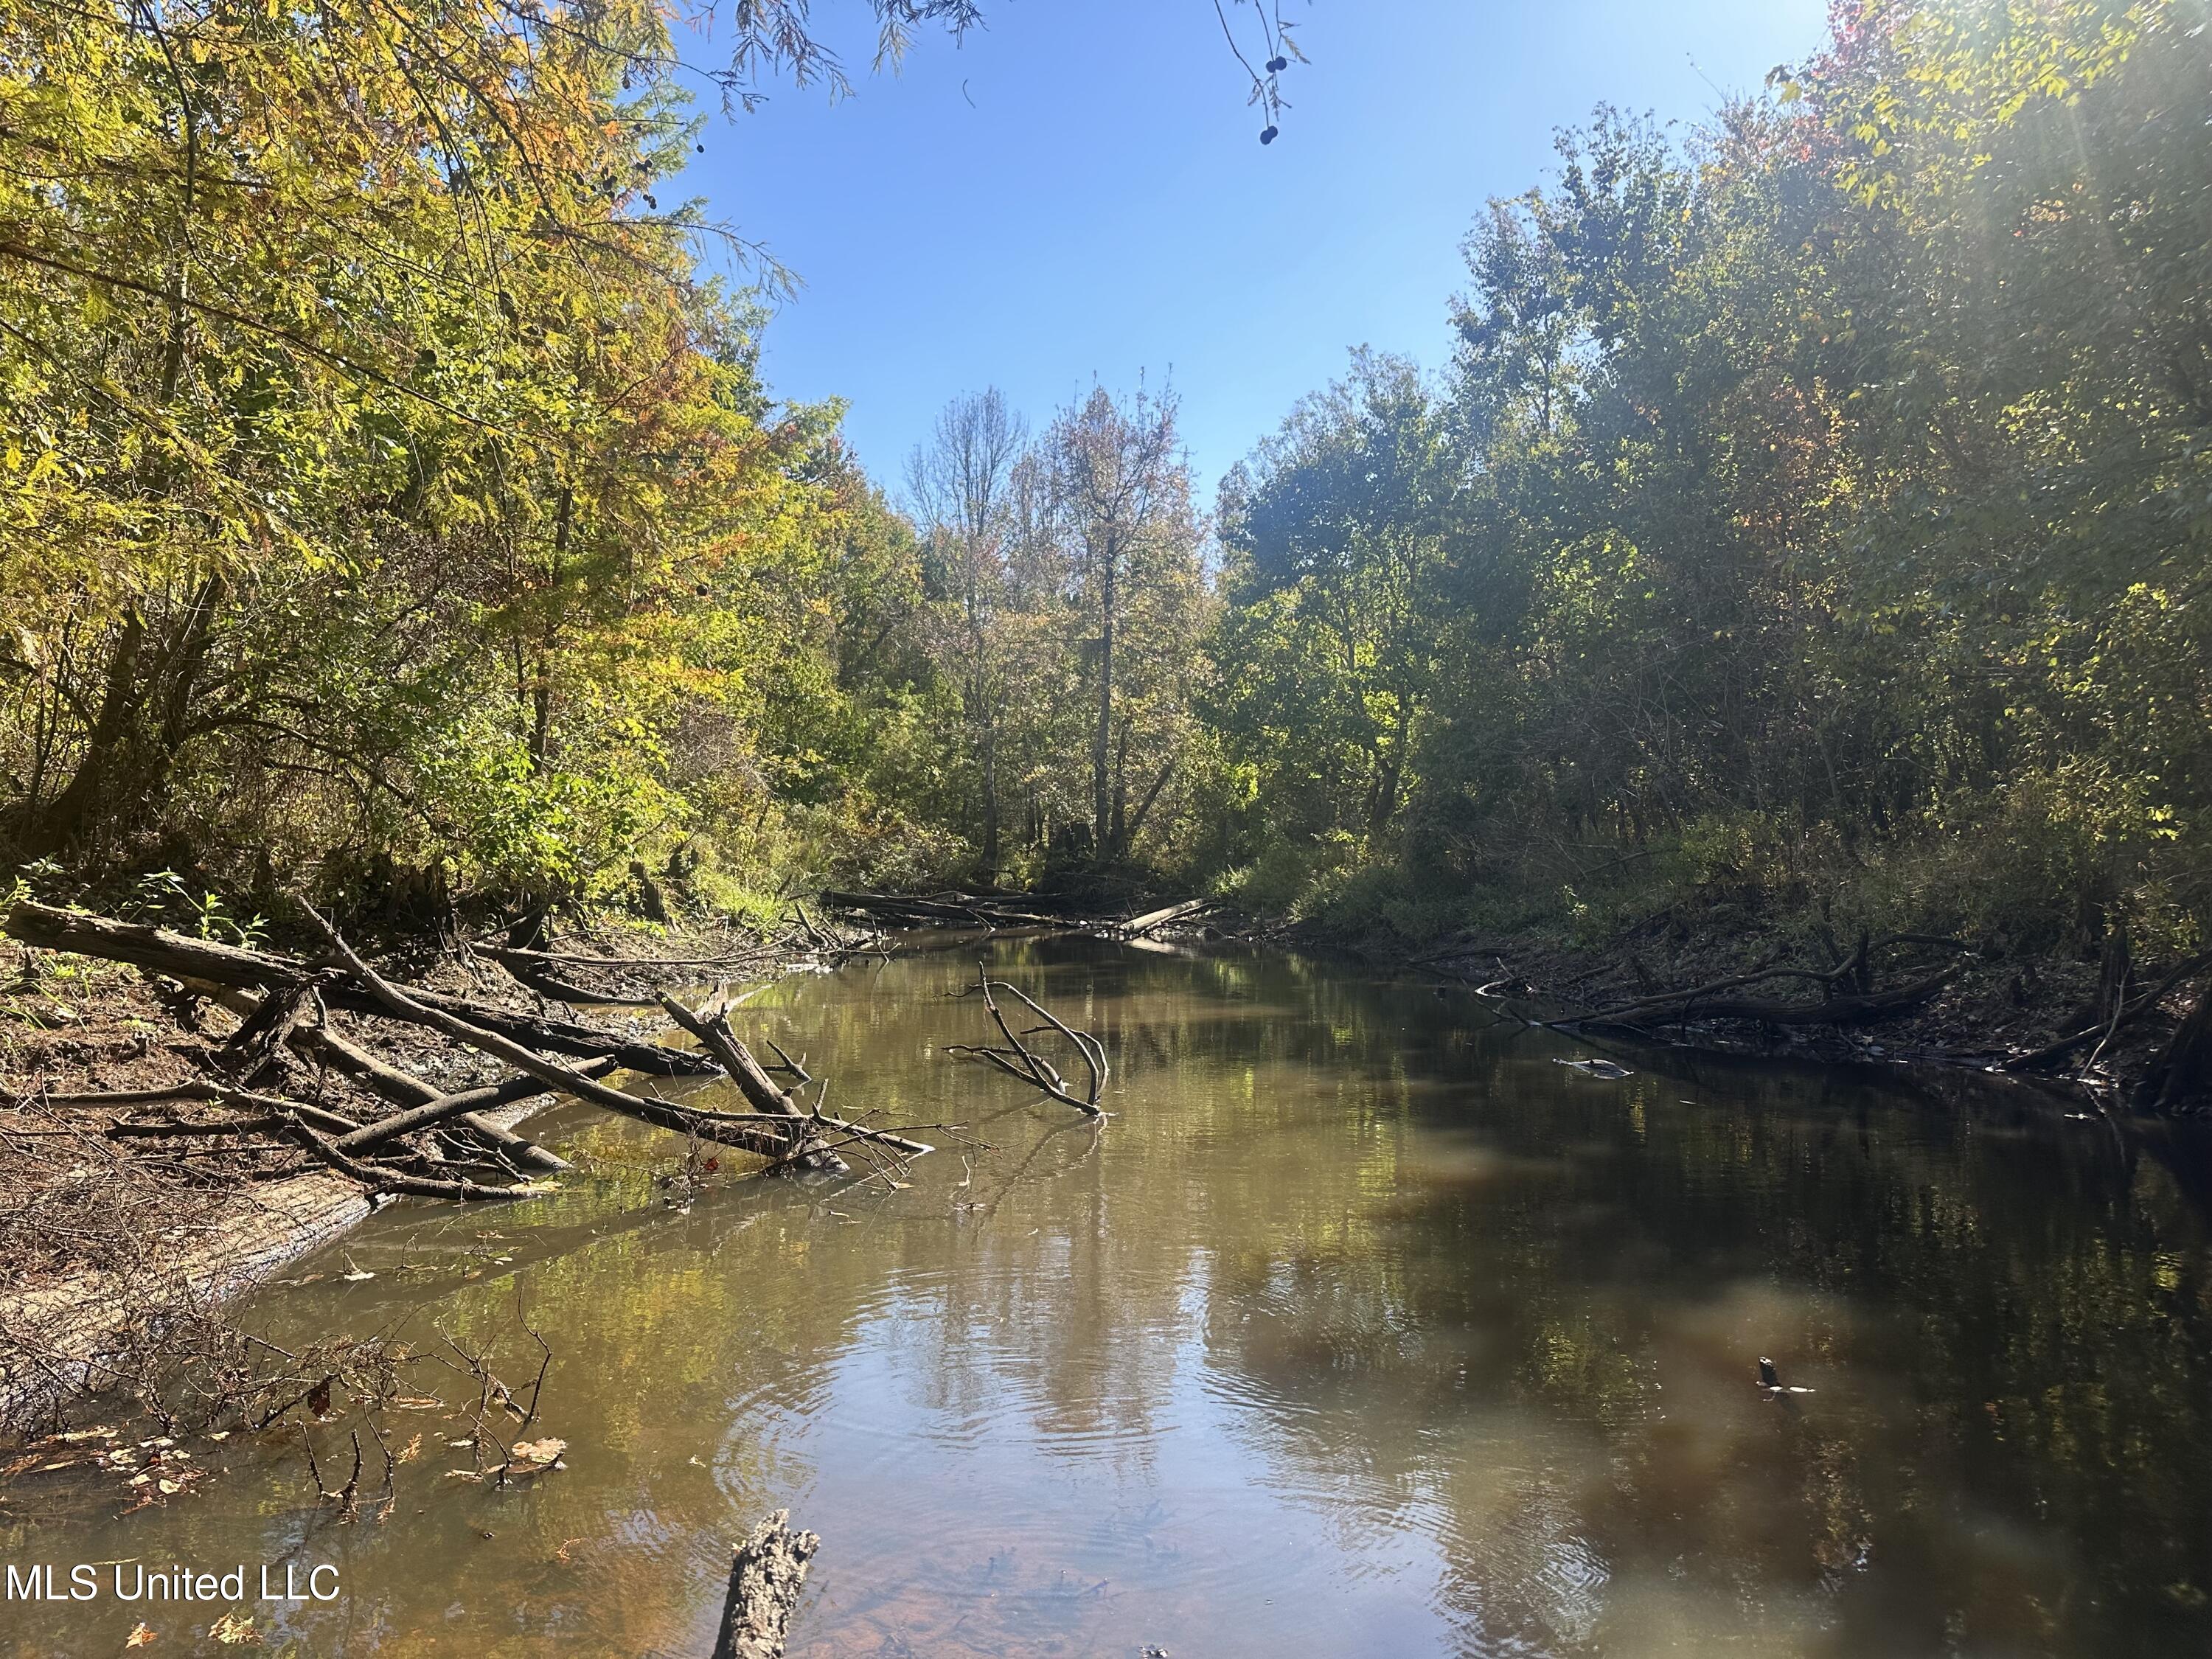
(802, 1148)
(378, 1177)
(767, 1571)
(1018, 1060)
(553, 1074)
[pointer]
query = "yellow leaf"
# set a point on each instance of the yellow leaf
(140, 1636)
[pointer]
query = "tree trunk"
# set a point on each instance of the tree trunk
(2112, 971)
(66, 818)
(1119, 843)
(541, 690)
(991, 796)
(2184, 1072)
(1102, 806)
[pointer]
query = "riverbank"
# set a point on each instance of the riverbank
(2125, 1033)
(128, 1214)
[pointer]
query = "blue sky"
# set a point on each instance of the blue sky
(1079, 190)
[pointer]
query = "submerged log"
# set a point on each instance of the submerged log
(767, 1572)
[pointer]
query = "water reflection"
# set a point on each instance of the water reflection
(1365, 1329)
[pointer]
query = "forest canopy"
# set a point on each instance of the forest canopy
(1814, 510)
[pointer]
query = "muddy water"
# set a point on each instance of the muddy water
(1365, 1329)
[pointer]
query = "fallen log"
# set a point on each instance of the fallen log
(767, 1572)
(710, 1014)
(216, 1093)
(157, 949)
(981, 912)
(376, 1178)
(320, 1043)
(803, 1148)
(1697, 1004)
(552, 1072)
(1138, 926)
(748, 1131)
(488, 1097)
(554, 988)
(505, 953)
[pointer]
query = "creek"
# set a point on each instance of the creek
(1362, 1328)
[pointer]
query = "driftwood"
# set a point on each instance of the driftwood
(320, 1043)
(446, 1108)
(719, 1127)
(1708, 1002)
(767, 1572)
(554, 988)
(802, 1146)
(539, 959)
(1018, 1060)
(269, 992)
(1138, 926)
(376, 1178)
(358, 1062)
(216, 1093)
(300, 1123)
(710, 1024)
(756, 1131)
(975, 912)
(159, 951)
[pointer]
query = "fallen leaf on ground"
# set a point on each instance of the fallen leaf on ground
(540, 1451)
(234, 1631)
(140, 1636)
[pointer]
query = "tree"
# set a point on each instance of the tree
(1335, 534)
(1121, 495)
(961, 482)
